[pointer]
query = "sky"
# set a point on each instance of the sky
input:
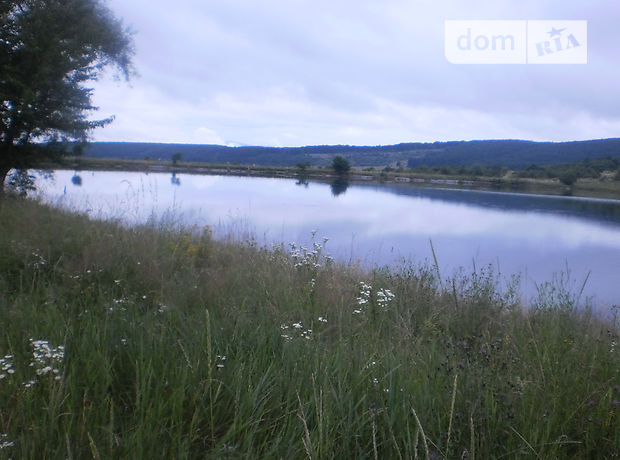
(357, 72)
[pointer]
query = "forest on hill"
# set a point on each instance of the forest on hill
(513, 154)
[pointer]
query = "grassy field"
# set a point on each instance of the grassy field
(159, 342)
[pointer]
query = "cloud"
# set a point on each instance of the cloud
(300, 72)
(205, 135)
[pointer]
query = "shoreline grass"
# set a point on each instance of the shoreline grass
(175, 345)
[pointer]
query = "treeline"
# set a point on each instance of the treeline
(516, 154)
(473, 170)
(569, 173)
(512, 154)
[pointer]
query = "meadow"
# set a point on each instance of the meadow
(159, 341)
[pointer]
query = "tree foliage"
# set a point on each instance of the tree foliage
(341, 165)
(570, 172)
(568, 178)
(49, 51)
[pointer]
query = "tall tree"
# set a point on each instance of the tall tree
(49, 51)
(341, 165)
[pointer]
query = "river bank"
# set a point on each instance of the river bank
(590, 188)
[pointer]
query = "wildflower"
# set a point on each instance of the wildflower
(46, 359)
(322, 319)
(45, 370)
(4, 441)
(304, 257)
(298, 331)
(40, 262)
(384, 297)
(364, 296)
(6, 366)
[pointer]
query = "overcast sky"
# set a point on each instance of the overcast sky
(296, 72)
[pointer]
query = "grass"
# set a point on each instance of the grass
(179, 346)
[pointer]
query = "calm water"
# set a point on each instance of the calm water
(540, 238)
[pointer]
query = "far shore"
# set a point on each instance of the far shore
(588, 188)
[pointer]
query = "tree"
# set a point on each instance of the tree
(176, 157)
(302, 167)
(49, 51)
(341, 165)
(568, 177)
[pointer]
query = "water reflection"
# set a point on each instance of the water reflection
(599, 209)
(76, 180)
(302, 179)
(175, 180)
(302, 174)
(339, 185)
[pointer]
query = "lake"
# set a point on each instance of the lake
(543, 239)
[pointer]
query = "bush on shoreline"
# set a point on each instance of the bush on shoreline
(148, 341)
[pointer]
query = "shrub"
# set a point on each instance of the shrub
(341, 165)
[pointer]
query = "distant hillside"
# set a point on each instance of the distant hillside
(514, 154)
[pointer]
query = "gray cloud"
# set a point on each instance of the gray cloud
(351, 72)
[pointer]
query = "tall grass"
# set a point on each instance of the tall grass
(179, 346)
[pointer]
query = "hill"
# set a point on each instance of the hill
(514, 154)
